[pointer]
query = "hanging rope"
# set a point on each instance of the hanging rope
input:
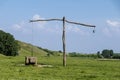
(32, 42)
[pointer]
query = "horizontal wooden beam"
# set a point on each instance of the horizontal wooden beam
(87, 25)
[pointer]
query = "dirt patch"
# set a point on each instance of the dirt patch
(39, 65)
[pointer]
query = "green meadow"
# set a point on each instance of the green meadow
(13, 68)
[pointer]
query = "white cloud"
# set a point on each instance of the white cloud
(25, 27)
(36, 17)
(113, 23)
(39, 24)
(17, 26)
(112, 28)
(22, 27)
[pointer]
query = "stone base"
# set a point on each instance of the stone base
(30, 60)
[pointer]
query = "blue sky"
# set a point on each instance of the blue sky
(105, 14)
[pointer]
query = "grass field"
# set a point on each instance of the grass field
(13, 68)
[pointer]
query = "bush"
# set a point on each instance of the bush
(116, 56)
(74, 54)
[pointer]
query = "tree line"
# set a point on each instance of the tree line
(8, 44)
(51, 53)
(106, 53)
(83, 55)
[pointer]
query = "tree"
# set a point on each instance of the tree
(107, 53)
(8, 45)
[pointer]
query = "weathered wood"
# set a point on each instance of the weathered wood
(64, 44)
(30, 60)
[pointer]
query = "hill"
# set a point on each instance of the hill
(27, 49)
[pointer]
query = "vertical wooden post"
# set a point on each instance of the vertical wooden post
(64, 44)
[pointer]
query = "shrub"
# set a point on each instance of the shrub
(116, 56)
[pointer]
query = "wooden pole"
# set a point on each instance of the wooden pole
(64, 43)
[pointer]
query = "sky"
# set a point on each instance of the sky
(104, 14)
